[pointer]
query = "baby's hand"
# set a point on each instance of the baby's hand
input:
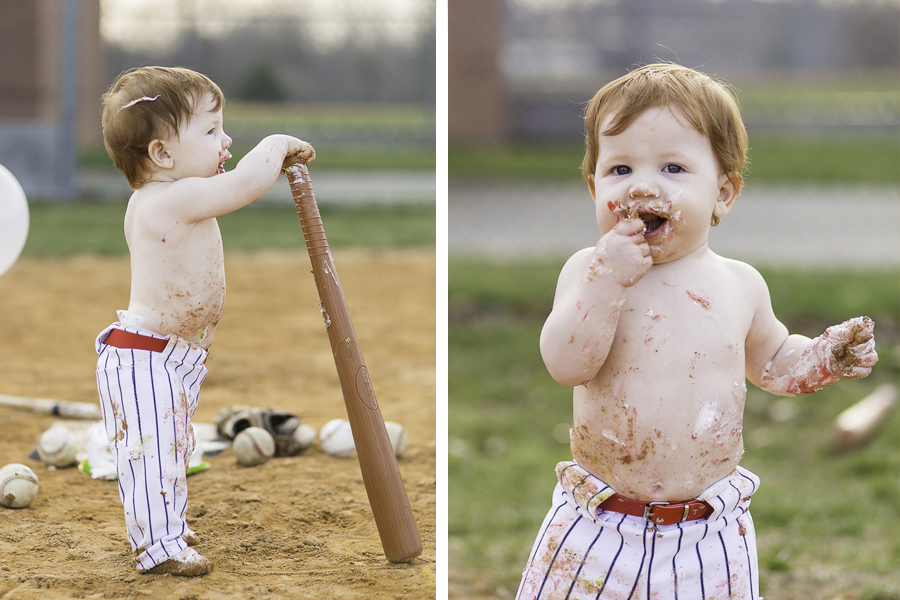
(851, 348)
(301, 149)
(622, 253)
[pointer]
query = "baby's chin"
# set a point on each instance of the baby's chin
(659, 255)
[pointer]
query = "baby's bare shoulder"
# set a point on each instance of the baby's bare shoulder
(742, 277)
(152, 215)
(575, 267)
(741, 271)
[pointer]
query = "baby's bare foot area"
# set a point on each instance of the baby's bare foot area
(187, 563)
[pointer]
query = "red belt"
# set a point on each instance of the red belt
(661, 513)
(136, 341)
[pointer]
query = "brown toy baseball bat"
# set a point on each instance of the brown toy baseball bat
(381, 475)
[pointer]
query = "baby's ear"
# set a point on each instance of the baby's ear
(159, 154)
(590, 184)
(728, 193)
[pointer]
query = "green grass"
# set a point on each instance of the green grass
(802, 155)
(402, 136)
(772, 160)
(329, 157)
(817, 511)
(352, 118)
(63, 230)
(825, 161)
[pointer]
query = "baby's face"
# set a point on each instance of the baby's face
(201, 147)
(663, 171)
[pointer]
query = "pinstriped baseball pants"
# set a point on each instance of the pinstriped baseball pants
(148, 400)
(582, 552)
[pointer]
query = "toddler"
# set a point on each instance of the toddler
(163, 128)
(657, 334)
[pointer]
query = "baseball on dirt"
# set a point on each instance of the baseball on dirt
(304, 437)
(57, 447)
(18, 486)
(398, 437)
(253, 446)
(336, 438)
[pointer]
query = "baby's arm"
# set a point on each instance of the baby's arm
(792, 365)
(804, 366)
(578, 334)
(199, 198)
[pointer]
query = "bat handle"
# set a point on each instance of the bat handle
(307, 208)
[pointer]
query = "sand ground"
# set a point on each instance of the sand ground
(298, 527)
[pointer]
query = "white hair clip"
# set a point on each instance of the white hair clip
(141, 99)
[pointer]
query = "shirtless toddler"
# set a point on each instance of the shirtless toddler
(163, 128)
(657, 334)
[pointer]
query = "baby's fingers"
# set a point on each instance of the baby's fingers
(305, 151)
(629, 227)
(865, 354)
(857, 373)
(853, 331)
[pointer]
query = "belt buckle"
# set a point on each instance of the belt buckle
(648, 512)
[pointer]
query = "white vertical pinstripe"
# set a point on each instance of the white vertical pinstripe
(148, 400)
(608, 555)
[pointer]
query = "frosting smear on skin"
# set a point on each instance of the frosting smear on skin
(658, 215)
(223, 158)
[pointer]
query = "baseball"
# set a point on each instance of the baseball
(253, 446)
(304, 437)
(18, 486)
(336, 438)
(57, 447)
(399, 440)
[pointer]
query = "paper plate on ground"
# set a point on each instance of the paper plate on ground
(13, 219)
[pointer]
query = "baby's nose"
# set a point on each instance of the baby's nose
(643, 190)
(227, 142)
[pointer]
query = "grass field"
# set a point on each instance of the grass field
(62, 230)
(792, 129)
(356, 138)
(826, 522)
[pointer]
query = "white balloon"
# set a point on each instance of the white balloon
(13, 219)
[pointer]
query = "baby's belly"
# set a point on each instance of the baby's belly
(659, 450)
(193, 317)
(196, 324)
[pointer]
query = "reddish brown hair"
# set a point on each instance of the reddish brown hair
(706, 103)
(146, 104)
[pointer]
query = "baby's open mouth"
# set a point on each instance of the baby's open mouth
(652, 222)
(223, 158)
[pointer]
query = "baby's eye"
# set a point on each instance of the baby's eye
(672, 169)
(621, 170)
(211, 131)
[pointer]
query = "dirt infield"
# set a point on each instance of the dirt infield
(298, 527)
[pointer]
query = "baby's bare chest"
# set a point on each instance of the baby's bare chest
(677, 335)
(695, 309)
